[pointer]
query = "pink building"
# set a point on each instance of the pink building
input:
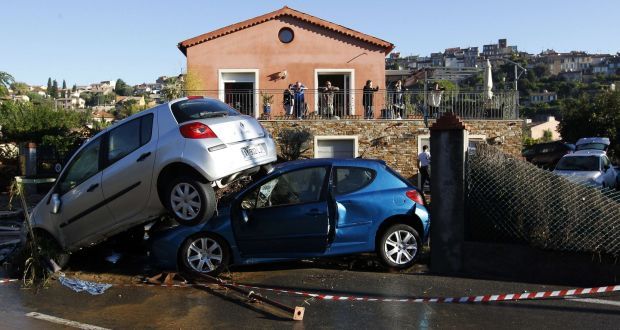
(263, 55)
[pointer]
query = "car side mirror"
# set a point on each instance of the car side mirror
(56, 203)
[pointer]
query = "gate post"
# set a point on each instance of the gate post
(449, 141)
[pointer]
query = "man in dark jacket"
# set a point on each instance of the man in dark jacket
(368, 98)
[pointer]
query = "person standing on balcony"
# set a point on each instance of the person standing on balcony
(328, 98)
(424, 161)
(299, 99)
(397, 99)
(367, 99)
(288, 100)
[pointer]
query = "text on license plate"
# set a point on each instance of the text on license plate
(254, 151)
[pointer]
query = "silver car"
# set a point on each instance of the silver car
(166, 159)
(590, 167)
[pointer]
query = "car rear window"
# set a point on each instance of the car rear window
(585, 163)
(187, 110)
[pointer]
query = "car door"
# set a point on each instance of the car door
(83, 213)
(356, 208)
(285, 215)
(129, 156)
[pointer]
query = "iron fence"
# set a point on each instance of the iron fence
(386, 104)
(510, 200)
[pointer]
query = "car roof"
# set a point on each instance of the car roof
(587, 140)
(584, 153)
(329, 161)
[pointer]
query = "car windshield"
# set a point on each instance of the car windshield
(592, 146)
(200, 109)
(585, 163)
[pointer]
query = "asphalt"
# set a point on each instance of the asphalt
(163, 307)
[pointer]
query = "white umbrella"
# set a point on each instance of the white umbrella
(488, 81)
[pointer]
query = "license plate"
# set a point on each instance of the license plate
(254, 151)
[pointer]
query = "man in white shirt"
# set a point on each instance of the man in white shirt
(424, 161)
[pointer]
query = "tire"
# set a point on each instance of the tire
(51, 250)
(190, 201)
(204, 253)
(399, 246)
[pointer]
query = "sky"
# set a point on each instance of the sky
(85, 42)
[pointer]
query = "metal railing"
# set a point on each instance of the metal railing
(357, 104)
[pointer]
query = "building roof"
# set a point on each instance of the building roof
(284, 11)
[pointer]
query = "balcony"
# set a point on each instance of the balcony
(386, 105)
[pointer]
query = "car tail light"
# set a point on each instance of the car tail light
(193, 97)
(415, 196)
(196, 131)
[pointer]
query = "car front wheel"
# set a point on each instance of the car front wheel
(190, 201)
(399, 246)
(205, 253)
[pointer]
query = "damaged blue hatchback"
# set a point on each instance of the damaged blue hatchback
(306, 209)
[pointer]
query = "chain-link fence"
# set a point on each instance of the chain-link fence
(510, 200)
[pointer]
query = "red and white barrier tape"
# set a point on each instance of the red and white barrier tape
(469, 299)
(7, 280)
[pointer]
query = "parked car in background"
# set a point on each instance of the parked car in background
(593, 143)
(547, 155)
(306, 209)
(591, 167)
(165, 159)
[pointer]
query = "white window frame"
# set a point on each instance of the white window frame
(353, 138)
(351, 73)
(221, 81)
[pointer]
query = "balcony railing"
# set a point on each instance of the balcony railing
(356, 104)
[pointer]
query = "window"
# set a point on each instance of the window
(129, 137)
(123, 140)
(286, 35)
(297, 187)
(146, 129)
(350, 179)
(201, 109)
(83, 166)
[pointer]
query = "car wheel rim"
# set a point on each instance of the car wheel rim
(185, 201)
(204, 255)
(401, 247)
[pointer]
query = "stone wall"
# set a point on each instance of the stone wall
(396, 141)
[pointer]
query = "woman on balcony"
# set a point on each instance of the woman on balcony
(299, 99)
(328, 98)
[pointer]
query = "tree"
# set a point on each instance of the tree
(20, 88)
(74, 89)
(49, 85)
(122, 88)
(64, 84)
(5, 81)
(547, 136)
(593, 115)
(192, 81)
(28, 122)
(53, 92)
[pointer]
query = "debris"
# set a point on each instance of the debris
(114, 257)
(81, 285)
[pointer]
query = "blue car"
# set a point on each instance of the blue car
(305, 209)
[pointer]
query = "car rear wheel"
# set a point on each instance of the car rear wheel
(205, 253)
(399, 246)
(190, 201)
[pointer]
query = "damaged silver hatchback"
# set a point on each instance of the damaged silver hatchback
(168, 159)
